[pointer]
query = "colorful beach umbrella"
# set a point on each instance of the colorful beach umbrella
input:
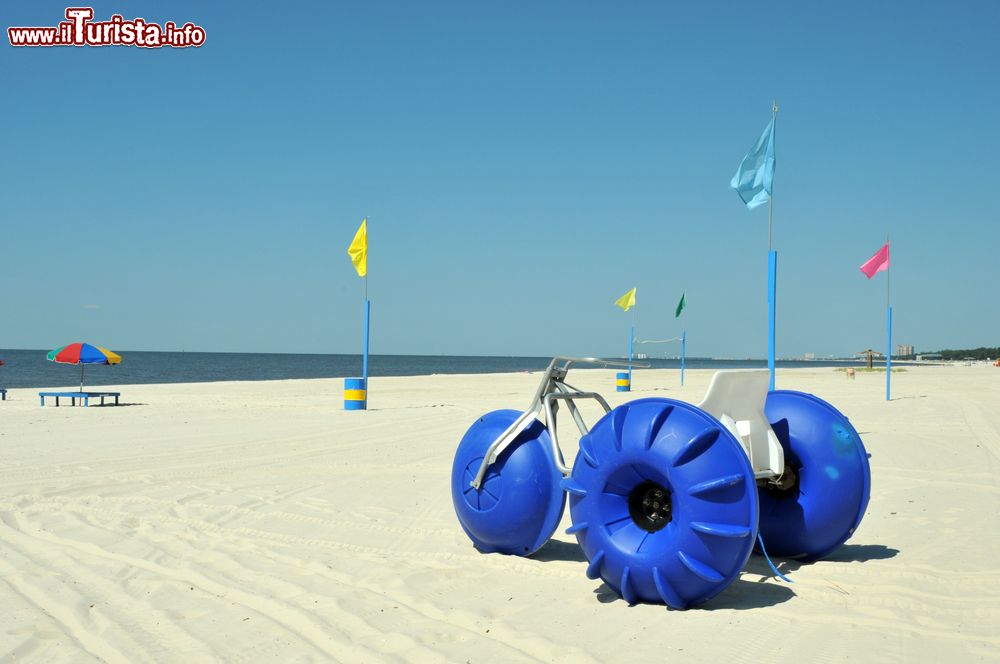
(83, 354)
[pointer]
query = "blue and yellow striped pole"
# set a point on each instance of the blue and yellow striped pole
(356, 389)
(355, 394)
(622, 382)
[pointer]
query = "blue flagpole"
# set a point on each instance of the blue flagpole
(888, 353)
(368, 313)
(772, 273)
(355, 389)
(364, 361)
(684, 336)
(772, 277)
(631, 337)
(754, 182)
(888, 306)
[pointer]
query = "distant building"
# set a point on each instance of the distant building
(904, 350)
(810, 356)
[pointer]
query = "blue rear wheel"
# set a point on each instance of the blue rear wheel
(663, 503)
(829, 480)
(519, 504)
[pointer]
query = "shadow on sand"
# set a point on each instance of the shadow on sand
(860, 553)
(96, 405)
(740, 595)
(848, 553)
(767, 591)
(554, 550)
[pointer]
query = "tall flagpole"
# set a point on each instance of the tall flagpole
(888, 308)
(368, 311)
(631, 339)
(772, 270)
(684, 337)
(356, 389)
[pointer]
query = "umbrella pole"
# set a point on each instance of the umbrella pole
(82, 365)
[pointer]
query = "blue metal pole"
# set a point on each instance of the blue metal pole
(631, 336)
(772, 277)
(364, 362)
(888, 355)
(684, 336)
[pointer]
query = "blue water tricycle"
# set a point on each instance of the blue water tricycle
(666, 498)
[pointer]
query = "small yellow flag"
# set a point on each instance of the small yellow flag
(358, 251)
(626, 301)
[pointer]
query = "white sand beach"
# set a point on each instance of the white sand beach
(260, 522)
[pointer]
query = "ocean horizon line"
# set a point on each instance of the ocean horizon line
(29, 369)
(636, 358)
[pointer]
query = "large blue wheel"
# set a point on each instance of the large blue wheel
(519, 504)
(663, 503)
(821, 501)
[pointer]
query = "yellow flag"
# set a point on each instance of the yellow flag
(626, 301)
(358, 251)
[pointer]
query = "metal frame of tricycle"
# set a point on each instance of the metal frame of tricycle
(735, 398)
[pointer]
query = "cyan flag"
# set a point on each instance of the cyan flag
(753, 178)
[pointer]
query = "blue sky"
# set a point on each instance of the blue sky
(522, 165)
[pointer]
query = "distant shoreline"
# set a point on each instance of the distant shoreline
(29, 369)
(689, 358)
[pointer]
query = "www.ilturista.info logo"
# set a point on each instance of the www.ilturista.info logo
(81, 30)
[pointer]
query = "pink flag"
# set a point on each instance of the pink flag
(877, 263)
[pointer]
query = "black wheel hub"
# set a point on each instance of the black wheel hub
(785, 486)
(649, 506)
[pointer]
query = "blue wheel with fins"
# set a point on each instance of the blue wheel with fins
(663, 503)
(821, 501)
(520, 503)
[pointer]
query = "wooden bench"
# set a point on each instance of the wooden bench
(84, 397)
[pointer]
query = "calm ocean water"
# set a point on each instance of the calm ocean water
(29, 368)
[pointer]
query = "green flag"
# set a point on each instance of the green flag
(680, 306)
